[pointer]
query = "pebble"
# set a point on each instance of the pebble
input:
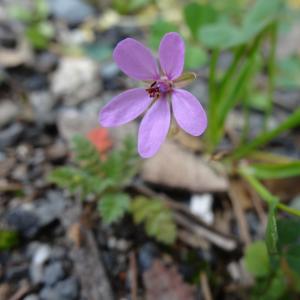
(72, 121)
(8, 112)
(76, 80)
(67, 289)
(53, 273)
(71, 11)
(31, 297)
(24, 221)
(42, 103)
(50, 209)
(10, 135)
(146, 255)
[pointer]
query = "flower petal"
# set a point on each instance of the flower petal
(154, 128)
(171, 55)
(188, 112)
(124, 108)
(135, 60)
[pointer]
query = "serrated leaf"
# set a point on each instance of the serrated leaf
(113, 207)
(86, 155)
(157, 218)
(256, 259)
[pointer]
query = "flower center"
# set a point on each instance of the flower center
(159, 87)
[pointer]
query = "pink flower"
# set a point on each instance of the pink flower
(136, 61)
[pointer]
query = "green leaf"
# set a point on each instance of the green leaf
(195, 57)
(256, 259)
(157, 217)
(260, 101)
(8, 239)
(86, 155)
(293, 257)
(75, 179)
(288, 75)
(40, 34)
(130, 6)
(261, 15)
(274, 171)
(220, 36)
(288, 232)
(197, 15)
(271, 231)
(113, 207)
(158, 30)
(19, 13)
(42, 9)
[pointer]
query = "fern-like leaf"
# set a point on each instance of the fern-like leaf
(75, 179)
(112, 207)
(86, 155)
(157, 218)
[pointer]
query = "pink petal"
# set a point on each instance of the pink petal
(124, 108)
(154, 128)
(171, 55)
(135, 60)
(188, 112)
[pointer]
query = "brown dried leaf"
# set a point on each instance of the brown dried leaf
(175, 167)
(164, 283)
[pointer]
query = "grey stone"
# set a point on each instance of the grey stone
(68, 288)
(31, 297)
(50, 209)
(42, 103)
(8, 112)
(73, 121)
(109, 71)
(72, 11)
(23, 220)
(76, 80)
(53, 273)
(10, 135)
(64, 290)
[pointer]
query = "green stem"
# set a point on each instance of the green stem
(231, 71)
(212, 105)
(246, 115)
(236, 88)
(291, 122)
(266, 195)
(271, 71)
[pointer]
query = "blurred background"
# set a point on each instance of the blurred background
(58, 243)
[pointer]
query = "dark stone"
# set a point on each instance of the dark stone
(147, 254)
(53, 273)
(10, 135)
(67, 289)
(46, 62)
(16, 273)
(24, 221)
